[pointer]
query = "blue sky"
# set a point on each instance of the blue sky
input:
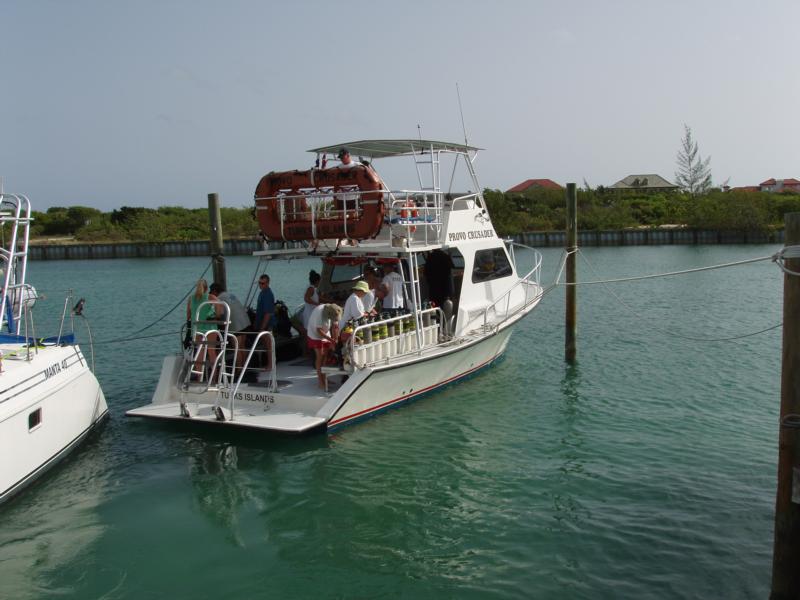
(146, 103)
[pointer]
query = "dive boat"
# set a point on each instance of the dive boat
(463, 293)
(50, 399)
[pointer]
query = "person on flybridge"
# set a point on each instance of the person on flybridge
(347, 161)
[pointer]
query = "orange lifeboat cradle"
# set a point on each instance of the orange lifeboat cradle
(334, 203)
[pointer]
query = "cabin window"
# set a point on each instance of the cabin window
(345, 273)
(34, 419)
(491, 264)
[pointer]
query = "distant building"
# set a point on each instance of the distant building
(779, 185)
(644, 183)
(533, 184)
(743, 188)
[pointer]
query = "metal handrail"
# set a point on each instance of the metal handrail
(318, 206)
(418, 322)
(64, 315)
(313, 209)
(273, 382)
(464, 198)
(20, 214)
(26, 313)
(531, 277)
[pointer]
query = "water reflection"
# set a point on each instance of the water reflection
(53, 523)
(571, 455)
(240, 472)
(219, 488)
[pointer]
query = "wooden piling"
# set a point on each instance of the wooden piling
(786, 549)
(217, 257)
(571, 322)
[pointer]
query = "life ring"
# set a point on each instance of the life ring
(409, 211)
(283, 211)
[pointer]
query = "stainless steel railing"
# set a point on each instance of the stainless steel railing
(427, 331)
(530, 280)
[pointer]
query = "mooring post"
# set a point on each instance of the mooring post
(786, 550)
(217, 258)
(570, 349)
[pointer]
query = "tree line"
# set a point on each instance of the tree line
(138, 224)
(533, 210)
(605, 208)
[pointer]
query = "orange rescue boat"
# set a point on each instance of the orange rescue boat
(341, 203)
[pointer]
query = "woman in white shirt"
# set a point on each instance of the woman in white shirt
(311, 296)
(322, 334)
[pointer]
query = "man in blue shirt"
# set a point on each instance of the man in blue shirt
(265, 314)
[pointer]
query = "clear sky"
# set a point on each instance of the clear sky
(151, 103)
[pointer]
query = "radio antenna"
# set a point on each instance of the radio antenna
(461, 110)
(419, 131)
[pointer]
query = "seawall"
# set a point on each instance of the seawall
(649, 237)
(139, 249)
(538, 239)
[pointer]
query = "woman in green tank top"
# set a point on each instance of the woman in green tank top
(206, 313)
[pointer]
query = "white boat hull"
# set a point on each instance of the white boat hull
(48, 405)
(389, 387)
(366, 392)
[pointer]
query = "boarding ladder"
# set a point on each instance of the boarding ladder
(201, 375)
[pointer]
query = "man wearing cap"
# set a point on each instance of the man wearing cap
(354, 307)
(347, 161)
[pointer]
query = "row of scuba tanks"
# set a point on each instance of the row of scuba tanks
(385, 336)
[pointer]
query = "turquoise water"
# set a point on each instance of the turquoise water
(647, 470)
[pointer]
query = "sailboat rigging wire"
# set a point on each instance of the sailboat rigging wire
(672, 333)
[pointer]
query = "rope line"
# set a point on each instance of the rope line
(166, 314)
(563, 265)
(161, 318)
(787, 252)
(672, 333)
(669, 274)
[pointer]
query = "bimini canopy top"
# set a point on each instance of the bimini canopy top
(386, 148)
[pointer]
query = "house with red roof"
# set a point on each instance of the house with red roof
(533, 184)
(779, 185)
